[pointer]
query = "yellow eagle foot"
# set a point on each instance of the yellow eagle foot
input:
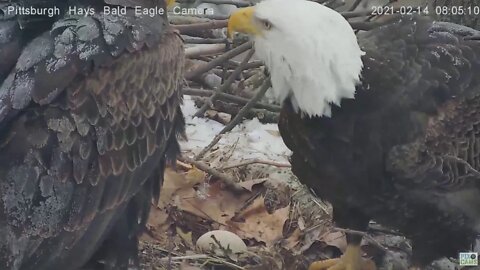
(351, 260)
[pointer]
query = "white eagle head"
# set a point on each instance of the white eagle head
(311, 51)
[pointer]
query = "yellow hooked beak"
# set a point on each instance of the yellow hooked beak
(241, 21)
(170, 3)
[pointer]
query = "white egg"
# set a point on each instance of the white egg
(222, 243)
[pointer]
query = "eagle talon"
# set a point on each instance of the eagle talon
(351, 260)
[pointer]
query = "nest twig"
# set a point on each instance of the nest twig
(229, 181)
(212, 24)
(218, 61)
(225, 85)
(366, 236)
(230, 98)
(266, 85)
(258, 161)
(228, 2)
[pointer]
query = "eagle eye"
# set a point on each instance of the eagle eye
(266, 24)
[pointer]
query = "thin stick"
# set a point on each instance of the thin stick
(218, 61)
(225, 85)
(366, 236)
(188, 257)
(355, 14)
(230, 182)
(251, 64)
(262, 115)
(238, 118)
(229, 97)
(254, 64)
(365, 26)
(228, 2)
(197, 40)
(321, 206)
(208, 259)
(170, 249)
(214, 24)
(210, 16)
(355, 5)
(157, 248)
(204, 49)
(258, 161)
(377, 228)
(182, 20)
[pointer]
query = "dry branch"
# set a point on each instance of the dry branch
(218, 61)
(237, 118)
(198, 40)
(376, 228)
(213, 24)
(354, 5)
(211, 16)
(357, 13)
(204, 49)
(233, 109)
(366, 236)
(225, 85)
(366, 26)
(250, 65)
(180, 19)
(254, 64)
(258, 161)
(229, 182)
(228, 2)
(230, 98)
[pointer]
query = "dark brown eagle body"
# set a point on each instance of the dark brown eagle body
(89, 116)
(405, 151)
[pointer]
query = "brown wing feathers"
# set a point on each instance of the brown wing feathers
(88, 112)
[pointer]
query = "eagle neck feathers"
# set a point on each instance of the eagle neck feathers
(314, 59)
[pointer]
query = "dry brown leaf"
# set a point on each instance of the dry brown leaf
(217, 204)
(293, 240)
(259, 224)
(158, 222)
(336, 239)
(194, 176)
(311, 235)
(174, 182)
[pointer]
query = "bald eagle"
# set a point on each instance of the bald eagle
(384, 125)
(89, 117)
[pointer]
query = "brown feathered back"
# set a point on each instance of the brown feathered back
(89, 116)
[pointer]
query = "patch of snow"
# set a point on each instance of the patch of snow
(249, 140)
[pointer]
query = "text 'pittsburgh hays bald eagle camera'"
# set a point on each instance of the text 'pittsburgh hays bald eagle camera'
(384, 125)
(89, 117)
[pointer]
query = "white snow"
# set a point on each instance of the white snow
(248, 140)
